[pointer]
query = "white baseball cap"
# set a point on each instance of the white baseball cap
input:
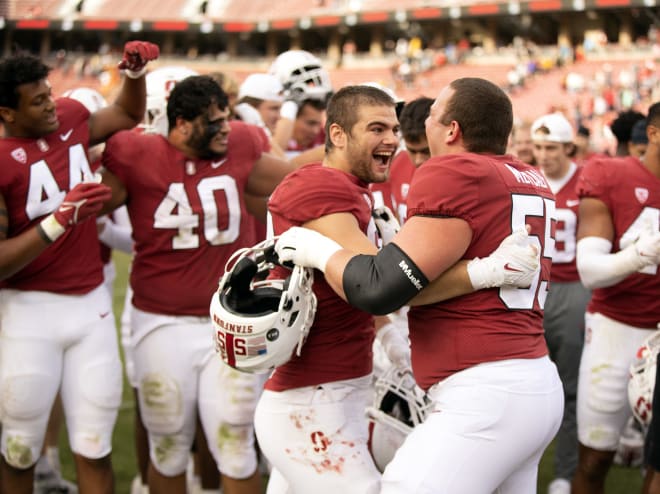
(560, 128)
(262, 86)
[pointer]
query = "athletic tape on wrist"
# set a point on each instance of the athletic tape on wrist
(51, 228)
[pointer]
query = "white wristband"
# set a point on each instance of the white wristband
(289, 110)
(135, 74)
(323, 250)
(481, 273)
(51, 228)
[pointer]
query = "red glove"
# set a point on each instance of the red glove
(83, 201)
(136, 56)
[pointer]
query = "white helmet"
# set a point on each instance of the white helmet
(159, 85)
(642, 379)
(259, 324)
(91, 98)
(302, 76)
(398, 406)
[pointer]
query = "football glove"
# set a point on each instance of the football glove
(395, 344)
(135, 58)
(386, 223)
(647, 246)
(250, 115)
(305, 247)
(289, 110)
(80, 203)
(515, 262)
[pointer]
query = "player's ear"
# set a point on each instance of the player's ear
(337, 135)
(454, 132)
(7, 114)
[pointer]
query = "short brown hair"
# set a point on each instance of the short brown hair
(484, 113)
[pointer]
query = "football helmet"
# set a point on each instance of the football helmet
(259, 323)
(302, 76)
(91, 98)
(159, 85)
(642, 379)
(398, 406)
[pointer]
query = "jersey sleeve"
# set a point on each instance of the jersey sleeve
(312, 192)
(596, 180)
(247, 142)
(455, 195)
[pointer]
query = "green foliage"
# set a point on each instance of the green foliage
(620, 480)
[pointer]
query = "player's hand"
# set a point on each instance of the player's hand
(250, 115)
(135, 58)
(289, 110)
(395, 345)
(386, 223)
(514, 263)
(647, 246)
(84, 200)
(305, 247)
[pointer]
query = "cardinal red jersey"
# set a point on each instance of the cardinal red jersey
(382, 194)
(564, 268)
(401, 174)
(188, 216)
(340, 340)
(35, 176)
(494, 195)
(632, 195)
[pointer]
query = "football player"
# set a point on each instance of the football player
(185, 198)
(618, 253)
(563, 319)
(310, 419)
(50, 261)
(463, 202)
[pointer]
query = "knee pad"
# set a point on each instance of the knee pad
(161, 404)
(169, 453)
(19, 452)
(236, 454)
(90, 433)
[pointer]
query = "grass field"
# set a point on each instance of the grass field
(620, 480)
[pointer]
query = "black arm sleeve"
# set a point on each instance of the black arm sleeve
(383, 283)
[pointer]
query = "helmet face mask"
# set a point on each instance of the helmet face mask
(642, 379)
(302, 75)
(260, 323)
(398, 406)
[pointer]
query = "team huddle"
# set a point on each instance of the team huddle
(334, 290)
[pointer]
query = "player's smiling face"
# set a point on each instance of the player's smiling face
(35, 115)
(372, 142)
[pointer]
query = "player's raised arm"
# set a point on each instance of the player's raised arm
(128, 108)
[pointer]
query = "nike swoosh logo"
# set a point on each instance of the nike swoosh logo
(571, 203)
(508, 267)
(66, 135)
(104, 314)
(216, 164)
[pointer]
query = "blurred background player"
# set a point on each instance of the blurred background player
(521, 142)
(52, 261)
(307, 87)
(618, 253)
(566, 302)
(260, 98)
